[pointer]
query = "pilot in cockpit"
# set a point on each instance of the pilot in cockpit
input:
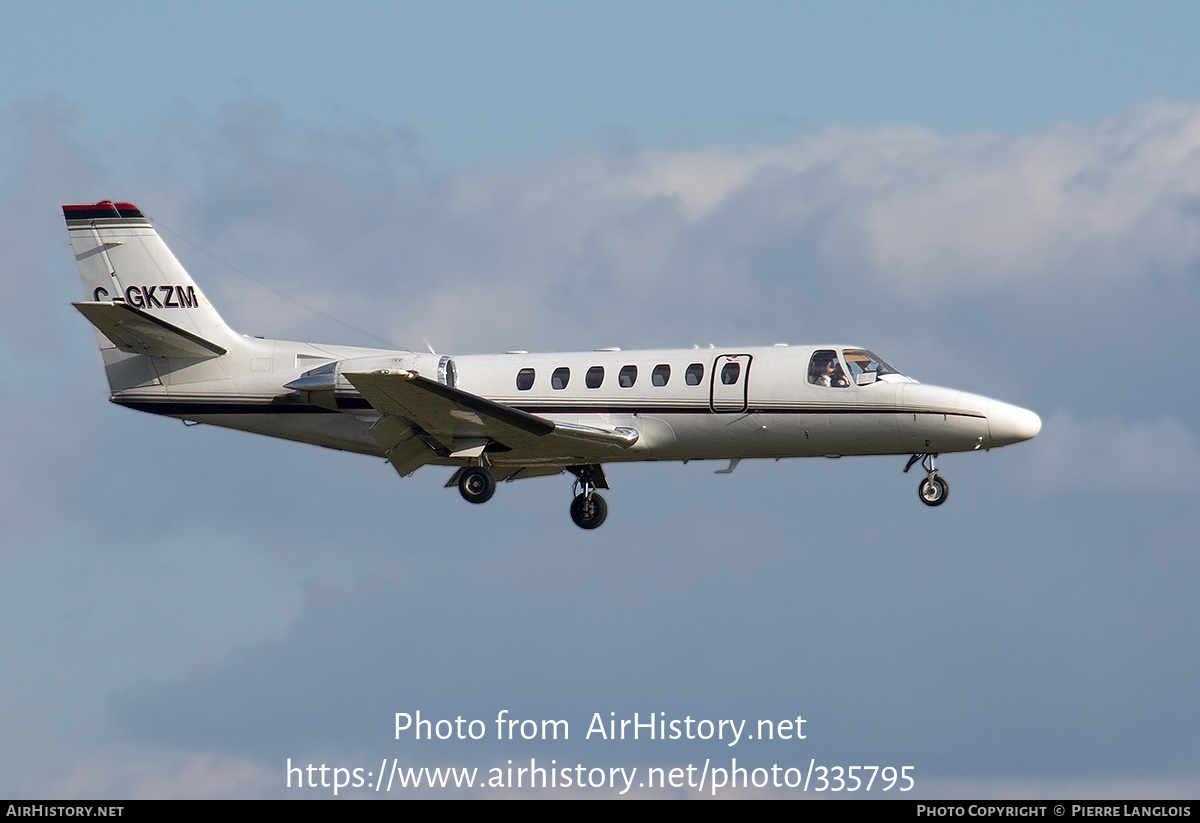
(825, 370)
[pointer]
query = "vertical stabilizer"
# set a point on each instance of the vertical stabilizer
(123, 261)
(155, 325)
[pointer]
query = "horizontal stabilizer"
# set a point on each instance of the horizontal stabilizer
(137, 332)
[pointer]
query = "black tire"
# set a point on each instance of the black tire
(934, 491)
(588, 512)
(476, 485)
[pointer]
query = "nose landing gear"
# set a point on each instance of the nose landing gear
(933, 490)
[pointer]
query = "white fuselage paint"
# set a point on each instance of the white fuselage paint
(770, 411)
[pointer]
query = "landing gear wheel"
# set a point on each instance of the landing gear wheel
(934, 491)
(477, 485)
(588, 510)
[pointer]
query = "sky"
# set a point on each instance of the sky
(1005, 201)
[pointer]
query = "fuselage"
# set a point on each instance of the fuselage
(685, 404)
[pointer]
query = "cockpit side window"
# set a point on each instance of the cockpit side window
(825, 370)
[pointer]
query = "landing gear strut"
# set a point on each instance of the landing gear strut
(933, 490)
(476, 484)
(588, 509)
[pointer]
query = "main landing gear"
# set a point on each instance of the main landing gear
(933, 490)
(477, 484)
(588, 509)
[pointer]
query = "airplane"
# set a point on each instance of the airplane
(506, 416)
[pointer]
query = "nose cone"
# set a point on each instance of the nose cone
(1011, 424)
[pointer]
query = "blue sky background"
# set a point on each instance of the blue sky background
(1001, 200)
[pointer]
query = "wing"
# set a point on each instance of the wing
(423, 420)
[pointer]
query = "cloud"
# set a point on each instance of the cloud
(1114, 455)
(1072, 207)
(602, 246)
(1115, 789)
(105, 610)
(153, 568)
(195, 776)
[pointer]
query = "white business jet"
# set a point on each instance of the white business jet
(506, 416)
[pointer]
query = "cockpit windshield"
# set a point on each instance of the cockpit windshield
(867, 368)
(825, 369)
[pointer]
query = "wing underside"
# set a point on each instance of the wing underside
(423, 421)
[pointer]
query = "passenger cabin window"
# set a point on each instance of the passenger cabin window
(825, 370)
(660, 375)
(694, 374)
(594, 377)
(627, 377)
(730, 372)
(525, 380)
(560, 378)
